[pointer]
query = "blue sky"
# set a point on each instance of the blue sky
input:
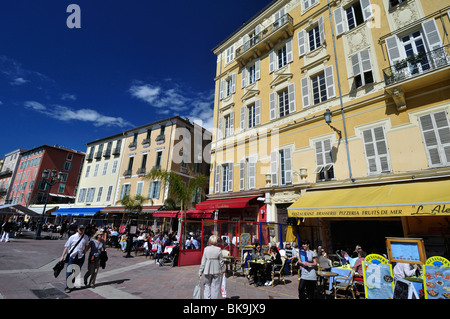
(132, 62)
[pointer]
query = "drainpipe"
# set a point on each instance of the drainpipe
(340, 95)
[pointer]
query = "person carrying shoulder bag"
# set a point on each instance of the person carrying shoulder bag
(77, 245)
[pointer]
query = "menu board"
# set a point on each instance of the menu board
(406, 250)
(437, 278)
(378, 277)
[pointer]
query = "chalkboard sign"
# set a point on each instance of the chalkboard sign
(404, 289)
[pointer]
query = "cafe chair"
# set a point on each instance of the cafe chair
(344, 284)
(239, 265)
(279, 272)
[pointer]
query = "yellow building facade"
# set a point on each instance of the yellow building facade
(381, 70)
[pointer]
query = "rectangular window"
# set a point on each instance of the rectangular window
(67, 166)
(125, 191)
(96, 169)
(99, 195)
(324, 160)
(109, 193)
(362, 68)
(154, 189)
(139, 187)
(61, 188)
(252, 74)
(114, 168)
(158, 160)
(314, 38)
(251, 116)
(225, 176)
(105, 168)
(283, 103)
(88, 169)
(319, 88)
(282, 57)
(90, 195)
(376, 150)
(64, 177)
(354, 15)
(436, 135)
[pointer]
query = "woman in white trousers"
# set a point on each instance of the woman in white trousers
(213, 267)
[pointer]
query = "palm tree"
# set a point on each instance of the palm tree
(179, 192)
(132, 205)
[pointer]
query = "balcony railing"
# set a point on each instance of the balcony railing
(90, 157)
(417, 65)
(98, 155)
(264, 34)
(116, 151)
(132, 144)
(127, 172)
(141, 171)
(107, 153)
(160, 139)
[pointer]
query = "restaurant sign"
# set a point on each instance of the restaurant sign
(436, 275)
(371, 211)
(378, 277)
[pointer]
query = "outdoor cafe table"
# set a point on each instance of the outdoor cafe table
(326, 274)
(260, 266)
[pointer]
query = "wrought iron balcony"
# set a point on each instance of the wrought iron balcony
(417, 65)
(107, 153)
(127, 172)
(146, 141)
(272, 32)
(98, 155)
(141, 171)
(160, 139)
(6, 172)
(90, 157)
(132, 144)
(116, 151)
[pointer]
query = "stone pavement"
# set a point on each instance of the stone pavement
(26, 273)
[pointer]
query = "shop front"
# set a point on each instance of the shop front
(249, 208)
(359, 214)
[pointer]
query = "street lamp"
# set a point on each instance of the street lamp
(327, 116)
(50, 178)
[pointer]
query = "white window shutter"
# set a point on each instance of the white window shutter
(221, 87)
(230, 177)
(443, 130)
(217, 178)
(251, 172)
(258, 112)
(244, 78)
(231, 131)
(245, 43)
(257, 69)
(366, 9)
(393, 49)
(291, 96)
(382, 150)
(329, 82)
(305, 91)
(432, 35)
(219, 129)
(321, 30)
(233, 83)
(274, 167)
(327, 152)
(365, 60)
(356, 69)
(288, 165)
(242, 119)
(271, 61)
(301, 43)
(339, 21)
(289, 53)
(242, 175)
(272, 105)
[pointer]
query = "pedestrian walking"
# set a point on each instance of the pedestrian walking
(308, 277)
(213, 267)
(7, 227)
(76, 247)
(96, 246)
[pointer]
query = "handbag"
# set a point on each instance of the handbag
(224, 286)
(58, 267)
(197, 290)
(71, 251)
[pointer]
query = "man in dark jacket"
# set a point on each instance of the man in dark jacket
(7, 227)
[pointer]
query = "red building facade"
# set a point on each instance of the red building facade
(29, 188)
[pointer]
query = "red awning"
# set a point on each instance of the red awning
(197, 213)
(166, 213)
(240, 202)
